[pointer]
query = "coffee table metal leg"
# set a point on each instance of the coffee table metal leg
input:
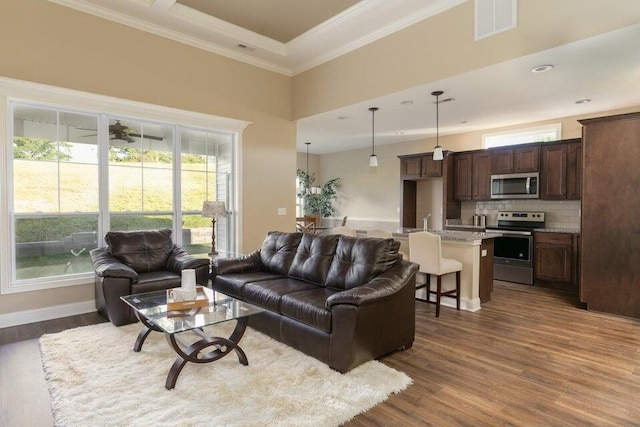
(194, 352)
(144, 333)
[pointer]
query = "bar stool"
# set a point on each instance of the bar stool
(426, 249)
(384, 234)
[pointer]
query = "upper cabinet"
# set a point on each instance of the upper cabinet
(462, 165)
(481, 172)
(473, 175)
(516, 160)
(561, 169)
(419, 167)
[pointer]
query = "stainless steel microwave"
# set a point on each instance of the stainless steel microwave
(515, 186)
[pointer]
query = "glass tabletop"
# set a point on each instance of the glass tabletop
(220, 308)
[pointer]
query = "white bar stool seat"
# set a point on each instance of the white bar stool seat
(425, 249)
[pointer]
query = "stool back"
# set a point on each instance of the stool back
(425, 249)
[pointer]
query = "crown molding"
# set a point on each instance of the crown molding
(322, 30)
(226, 29)
(144, 25)
(355, 27)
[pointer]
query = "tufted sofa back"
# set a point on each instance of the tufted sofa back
(334, 261)
(358, 260)
(144, 251)
(314, 257)
(278, 250)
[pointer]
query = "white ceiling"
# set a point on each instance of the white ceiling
(605, 69)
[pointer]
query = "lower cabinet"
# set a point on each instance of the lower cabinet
(556, 260)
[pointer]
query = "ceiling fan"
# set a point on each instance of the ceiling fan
(120, 132)
(124, 133)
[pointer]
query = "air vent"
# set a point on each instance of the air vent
(495, 16)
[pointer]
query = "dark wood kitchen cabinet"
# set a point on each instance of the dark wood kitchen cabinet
(419, 167)
(473, 175)
(574, 170)
(481, 172)
(516, 160)
(610, 228)
(556, 259)
(560, 171)
(463, 176)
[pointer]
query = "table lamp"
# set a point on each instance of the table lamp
(213, 210)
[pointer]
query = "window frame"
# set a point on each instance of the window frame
(522, 135)
(37, 95)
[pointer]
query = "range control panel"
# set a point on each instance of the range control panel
(521, 216)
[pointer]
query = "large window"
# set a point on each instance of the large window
(76, 175)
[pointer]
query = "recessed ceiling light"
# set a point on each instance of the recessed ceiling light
(399, 133)
(407, 102)
(541, 68)
(583, 101)
(343, 117)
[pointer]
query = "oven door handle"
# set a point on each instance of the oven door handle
(509, 232)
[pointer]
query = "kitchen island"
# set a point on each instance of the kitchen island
(474, 250)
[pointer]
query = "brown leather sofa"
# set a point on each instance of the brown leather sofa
(134, 262)
(342, 300)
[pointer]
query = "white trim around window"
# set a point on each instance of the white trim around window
(54, 97)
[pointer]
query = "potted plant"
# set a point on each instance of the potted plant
(317, 200)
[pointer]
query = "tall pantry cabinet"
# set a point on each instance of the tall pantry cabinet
(610, 230)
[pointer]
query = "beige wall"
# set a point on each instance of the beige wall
(46, 43)
(443, 47)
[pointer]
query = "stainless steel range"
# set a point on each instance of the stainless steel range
(513, 252)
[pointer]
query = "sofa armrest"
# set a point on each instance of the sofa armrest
(380, 287)
(180, 260)
(105, 265)
(245, 264)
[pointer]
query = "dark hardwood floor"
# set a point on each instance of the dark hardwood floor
(529, 357)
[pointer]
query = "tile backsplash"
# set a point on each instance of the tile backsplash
(558, 214)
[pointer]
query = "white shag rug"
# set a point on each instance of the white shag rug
(95, 379)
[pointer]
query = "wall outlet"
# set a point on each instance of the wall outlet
(483, 252)
(282, 211)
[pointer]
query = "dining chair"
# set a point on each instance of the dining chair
(344, 221)
(425, 249)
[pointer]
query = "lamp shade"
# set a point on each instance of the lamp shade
(214, 209)
(437, 153)
(373, 161)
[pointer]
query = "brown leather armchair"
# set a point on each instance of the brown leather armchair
(134, 262)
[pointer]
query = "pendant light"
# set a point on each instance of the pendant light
(307, 190)
(373, 159)
(437, 150)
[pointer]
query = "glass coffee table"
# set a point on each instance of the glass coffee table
(151, 309)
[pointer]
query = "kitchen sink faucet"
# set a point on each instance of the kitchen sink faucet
(425, 222)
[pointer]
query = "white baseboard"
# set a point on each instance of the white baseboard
(46, 313)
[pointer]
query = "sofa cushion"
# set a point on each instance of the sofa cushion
(268, 294)
(358, 260)
(155, 281)
(313, 258)
(278, 250)
(309, 307)
(233, 284)
(144, 251)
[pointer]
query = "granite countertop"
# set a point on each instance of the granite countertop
(451, 235)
